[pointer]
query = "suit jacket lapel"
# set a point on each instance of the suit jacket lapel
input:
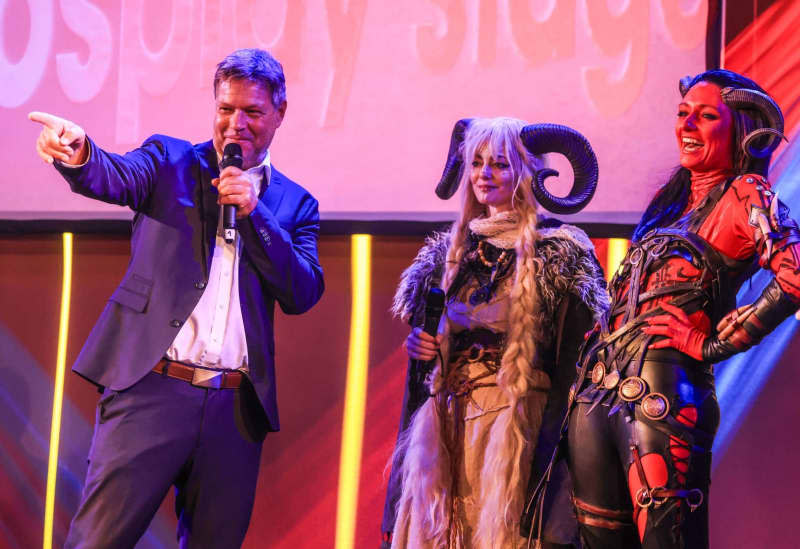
(207, 198)
(273, 194)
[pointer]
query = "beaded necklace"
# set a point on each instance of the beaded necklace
(490, 264)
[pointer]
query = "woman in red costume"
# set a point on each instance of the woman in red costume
(644, 408)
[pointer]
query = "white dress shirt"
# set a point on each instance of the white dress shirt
(213, 335)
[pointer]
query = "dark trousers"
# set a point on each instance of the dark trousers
(601, 461)
(164, 432)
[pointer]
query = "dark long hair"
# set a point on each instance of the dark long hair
(671, 199)
(667, 205)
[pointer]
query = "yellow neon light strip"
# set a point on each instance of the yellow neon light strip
(617, 248)
(355, 394)
(58, 393)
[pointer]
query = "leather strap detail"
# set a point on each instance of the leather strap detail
(694, 497)
(600, 517)
(602, 523)
(617, 514)
(647, 496)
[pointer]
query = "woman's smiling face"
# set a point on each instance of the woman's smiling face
(492, 180)
(704, 129)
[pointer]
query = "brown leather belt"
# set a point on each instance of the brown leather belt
(227, 379)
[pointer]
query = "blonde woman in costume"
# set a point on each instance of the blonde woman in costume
(520, 293)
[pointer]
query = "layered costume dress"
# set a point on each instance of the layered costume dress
(444, 486)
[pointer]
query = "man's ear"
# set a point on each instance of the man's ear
(282, 110)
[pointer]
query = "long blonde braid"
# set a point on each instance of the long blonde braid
(512, 440)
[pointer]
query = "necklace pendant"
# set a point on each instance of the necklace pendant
(481, 295)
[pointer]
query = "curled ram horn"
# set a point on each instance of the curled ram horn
(550, 138)
(744, 98)
(451, 176)
(748, 143)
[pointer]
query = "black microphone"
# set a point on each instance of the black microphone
(419, 369)
(434, 305)
(231, 156)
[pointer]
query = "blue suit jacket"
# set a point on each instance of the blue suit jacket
(167, 182)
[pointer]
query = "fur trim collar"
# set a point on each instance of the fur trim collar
(424, 273)
(569, 265)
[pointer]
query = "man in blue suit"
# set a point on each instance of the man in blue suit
(184, 349)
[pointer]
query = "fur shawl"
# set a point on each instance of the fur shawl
(569, 267)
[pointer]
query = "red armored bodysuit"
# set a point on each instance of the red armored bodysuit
(692, 269)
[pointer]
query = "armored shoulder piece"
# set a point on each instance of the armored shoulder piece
(774, 229)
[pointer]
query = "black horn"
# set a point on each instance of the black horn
(550, 138)
(451, 176)
(743, 99)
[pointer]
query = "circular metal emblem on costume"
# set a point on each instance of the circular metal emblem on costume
(611, 379)
(632, 388)
(655, 406)
(598, 372)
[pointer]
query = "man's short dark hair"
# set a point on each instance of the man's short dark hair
(257, 66)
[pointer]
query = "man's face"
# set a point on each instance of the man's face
(245, 115)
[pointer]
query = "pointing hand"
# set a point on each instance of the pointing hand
(60, 139)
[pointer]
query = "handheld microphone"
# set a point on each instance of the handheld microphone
(231, 156)
(434, 305)
(419, 369)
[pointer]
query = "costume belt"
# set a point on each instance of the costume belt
(482, 337)
(482, 347)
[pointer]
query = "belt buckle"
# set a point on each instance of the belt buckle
(475, 352)
(213, 382)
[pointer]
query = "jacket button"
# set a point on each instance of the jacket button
(176, 323)
(199, 285)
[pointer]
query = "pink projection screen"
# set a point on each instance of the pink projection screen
(373, 88)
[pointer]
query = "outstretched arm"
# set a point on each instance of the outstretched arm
(126, 180)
